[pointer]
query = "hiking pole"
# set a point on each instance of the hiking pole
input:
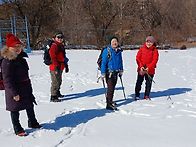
(122, 87)
(104, 87)
(103, 84)
(98, 79)
(150, 78)
(97, 73)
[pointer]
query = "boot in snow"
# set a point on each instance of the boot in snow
(60, 95)
(111, 106)
(54, 99)
(21, 133)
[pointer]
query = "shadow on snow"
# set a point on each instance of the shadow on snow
(88, 93)
(168, 92)
(74, 119)
(80, 117)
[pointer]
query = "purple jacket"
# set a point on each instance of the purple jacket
(16, 81)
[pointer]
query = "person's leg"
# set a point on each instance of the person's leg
(111, 83)
(148, 86)
(54, 86)
(15, 122)
(32, 121)
(59, 79)
(138, 85)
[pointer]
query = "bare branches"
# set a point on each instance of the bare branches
(94, 21)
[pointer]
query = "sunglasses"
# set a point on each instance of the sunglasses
(60, 36)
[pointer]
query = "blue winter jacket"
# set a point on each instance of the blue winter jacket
(112, 64)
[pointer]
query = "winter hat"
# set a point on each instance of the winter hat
(113, 37)
(151, 39)
(12, 40)
(59, 34)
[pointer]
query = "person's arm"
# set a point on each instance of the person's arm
(154, 60)
(138, 58)
(9, 77)
(104, 61)
(53, 54)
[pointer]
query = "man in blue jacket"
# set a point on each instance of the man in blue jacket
(111, 68)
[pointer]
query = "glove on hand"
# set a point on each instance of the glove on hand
(102, 76)
(142, 71)
(66, 68)
(120, 73)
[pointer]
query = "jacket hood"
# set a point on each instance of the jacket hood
(5, 53)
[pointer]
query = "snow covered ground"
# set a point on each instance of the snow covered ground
(168, 120)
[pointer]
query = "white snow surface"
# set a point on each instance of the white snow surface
(81, 120)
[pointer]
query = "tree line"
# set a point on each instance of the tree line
(94, 21)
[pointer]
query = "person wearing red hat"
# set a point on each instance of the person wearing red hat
(18, 89)
(146, 58)
(12, 41)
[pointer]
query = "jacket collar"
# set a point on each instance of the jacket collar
(151, 48)
(5, 53)
(57, 43)
(118, 49)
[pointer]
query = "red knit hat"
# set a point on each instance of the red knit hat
(12, 40)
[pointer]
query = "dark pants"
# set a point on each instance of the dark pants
(15, 119)
(139, 82)
(111, 81)
(56, 81)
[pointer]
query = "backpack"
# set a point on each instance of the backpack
(1, 77)
(46, 48)
(99, 60)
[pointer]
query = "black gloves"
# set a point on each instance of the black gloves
(66, 68)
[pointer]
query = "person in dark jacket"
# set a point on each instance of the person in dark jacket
(111, 68)
(18, 89)
(59, 63)
(146, 58)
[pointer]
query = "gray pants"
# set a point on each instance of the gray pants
(56, 80)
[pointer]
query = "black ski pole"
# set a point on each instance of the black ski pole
(104, 87)
(98, 79)
(122, 87)
(150, 78)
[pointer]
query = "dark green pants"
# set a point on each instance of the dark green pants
(56, 80)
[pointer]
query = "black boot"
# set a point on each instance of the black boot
(111, 106)
(32, 121)
(54, 99)
(60, 95)
(34, 125)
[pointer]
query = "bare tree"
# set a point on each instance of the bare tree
(93, 21)
(126, 20)
(41, 15)
(150, 16)
(102, 13)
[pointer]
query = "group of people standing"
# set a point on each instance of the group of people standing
(112, 67)
(18, 89)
